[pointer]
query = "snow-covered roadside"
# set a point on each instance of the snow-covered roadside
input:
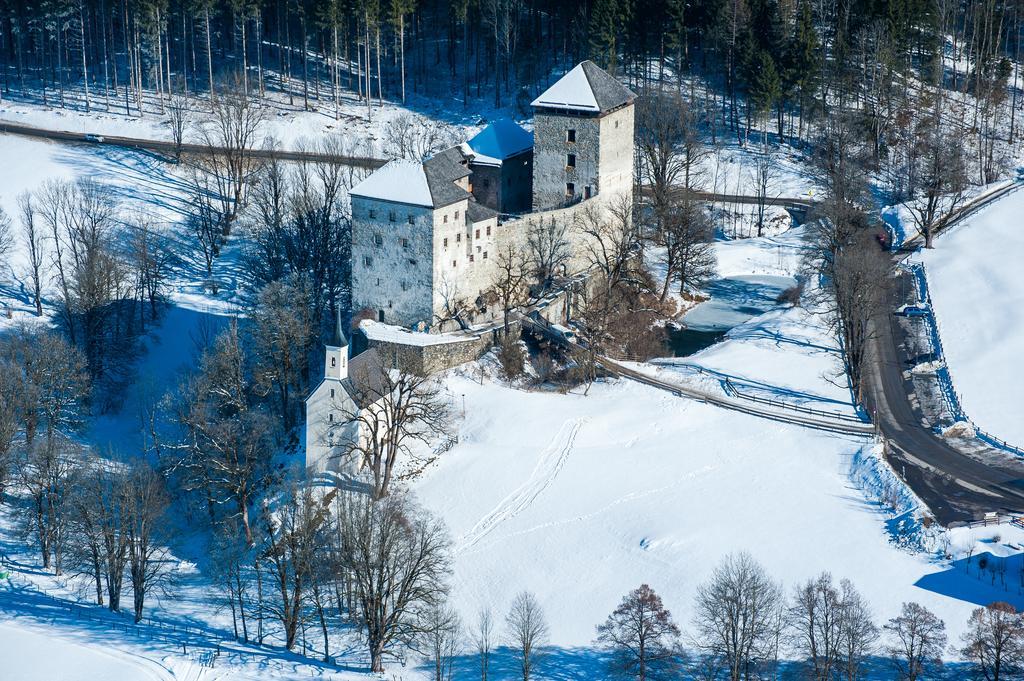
(288, 124)
(978, 302)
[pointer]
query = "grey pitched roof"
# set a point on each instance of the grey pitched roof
(587, 87)
(477, 212)
(442, 171)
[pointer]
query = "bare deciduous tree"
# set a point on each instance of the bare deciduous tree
(737, 616)
(916, 640)
(48, 471)
(416, 138)
(230, 135)
(547, 244)
(32, 237)
(149, 564)
(483, 641)
(526, 630)
(397, 557)
(399, 410)
(441, 638)
(282, 333)
(509, 281)
(994, 641)
(226, 456)
(640, 633)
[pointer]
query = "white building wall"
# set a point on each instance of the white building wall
(616, 153)
(392, 260)
(326, 436)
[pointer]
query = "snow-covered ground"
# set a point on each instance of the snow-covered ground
(577, 498)
(974, 277)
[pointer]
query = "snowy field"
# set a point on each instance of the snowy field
(577, 498)
(974, 276)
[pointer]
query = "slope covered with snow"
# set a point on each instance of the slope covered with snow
(975, 280)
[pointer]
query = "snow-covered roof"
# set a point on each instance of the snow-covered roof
(400, 180)
(587, 87)
(500, 140)
(378, 331)
(430, 184)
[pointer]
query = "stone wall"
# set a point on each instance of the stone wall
(617, 152)
(429, 359)
(392, 260)
(550, 155)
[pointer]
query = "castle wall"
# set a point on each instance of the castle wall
(616, 152)
(550, 154)
(392, 260)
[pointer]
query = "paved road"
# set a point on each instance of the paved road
(956, 486)
(169, 148)
(818, 421)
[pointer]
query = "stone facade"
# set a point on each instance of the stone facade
(506, 188)
(591, 152)
(393, 259)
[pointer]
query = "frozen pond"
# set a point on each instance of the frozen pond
(734, 300)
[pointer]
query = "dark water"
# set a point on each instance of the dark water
(734, 301)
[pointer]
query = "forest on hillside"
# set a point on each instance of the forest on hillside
(790, 60)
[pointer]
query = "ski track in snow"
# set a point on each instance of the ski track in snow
(544, 473)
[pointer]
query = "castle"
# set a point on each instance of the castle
(426, 234)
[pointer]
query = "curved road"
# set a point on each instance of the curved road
(956, 486)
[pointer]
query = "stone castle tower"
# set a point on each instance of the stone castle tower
(583, 138)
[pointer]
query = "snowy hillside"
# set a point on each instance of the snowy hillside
(974, 273)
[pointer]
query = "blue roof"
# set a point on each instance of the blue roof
(501, 139)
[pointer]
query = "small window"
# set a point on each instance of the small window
(333, 361)
(616, 124)
(378, 240)
(478, 234)
(458, 238)
(405, 286)
(378, 281)
(454, 263)
(485, 255)
(412, 261)
(412, 220)
(446, 242)
(330, 416)
(570, 135)
(391, 216)
(446, 218)
(471, 257)
(367, 261)
(456, 215)
(372, 213)
(570, 161)
(586, 192)
(332, 393)
(488, 230)
(570, 189)
(404, 242)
